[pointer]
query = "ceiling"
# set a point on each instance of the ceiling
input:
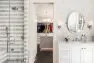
(44, 11)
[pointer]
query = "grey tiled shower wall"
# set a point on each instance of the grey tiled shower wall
(12, 29)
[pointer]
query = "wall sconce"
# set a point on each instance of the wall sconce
(59, 25)
(90, 25)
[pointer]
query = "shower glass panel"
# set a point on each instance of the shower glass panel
(12, 35)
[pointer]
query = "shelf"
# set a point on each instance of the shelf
(44, 34)
(44, 22)
(46, 49)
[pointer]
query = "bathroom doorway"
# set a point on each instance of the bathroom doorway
(44, 14)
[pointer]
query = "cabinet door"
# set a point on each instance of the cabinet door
(93, 55)
(75, 55)
(86, 55)
(64, 54)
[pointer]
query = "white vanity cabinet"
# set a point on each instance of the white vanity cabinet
(76, 53)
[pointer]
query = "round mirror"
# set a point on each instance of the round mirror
(75, 22)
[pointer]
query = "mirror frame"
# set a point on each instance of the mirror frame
(82, 26)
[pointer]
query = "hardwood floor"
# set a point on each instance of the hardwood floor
(44, 56)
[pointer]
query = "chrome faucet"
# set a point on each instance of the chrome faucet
(83, 37)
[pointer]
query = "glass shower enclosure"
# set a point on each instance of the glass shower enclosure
(12, 34)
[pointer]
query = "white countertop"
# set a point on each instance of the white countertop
(76, 43)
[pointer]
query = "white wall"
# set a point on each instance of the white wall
(42, 1)
(61, 10)
(32, 45)
(44, 11)
(63, 7)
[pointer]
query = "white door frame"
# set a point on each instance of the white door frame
(32, 29)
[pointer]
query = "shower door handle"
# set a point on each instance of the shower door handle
(7, 34)
(9, 38)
